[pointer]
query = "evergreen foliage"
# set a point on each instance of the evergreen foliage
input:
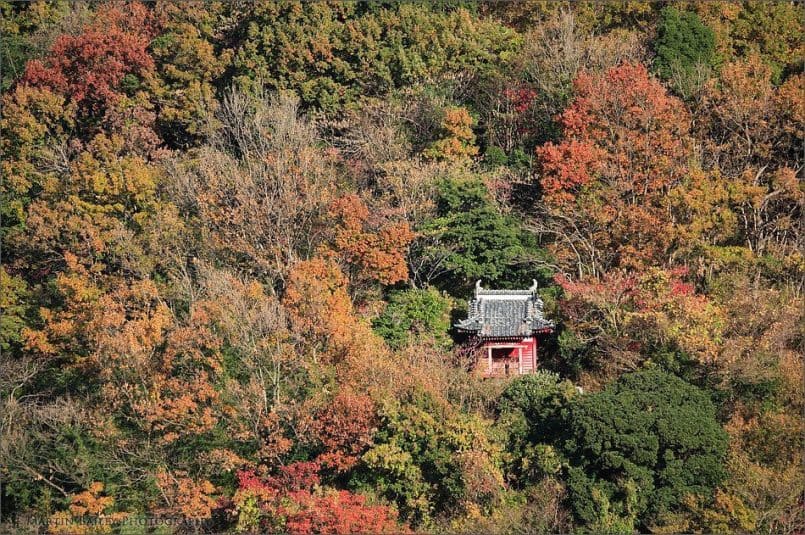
(683, 43)
(475, 241)
(685, 49)
(641, 446)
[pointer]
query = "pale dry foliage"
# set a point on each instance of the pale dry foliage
(261, 186)
(764, 339)
(556, 50)
(253, 324)
(374, 143)
(372, 135)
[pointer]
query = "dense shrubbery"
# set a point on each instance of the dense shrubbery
(235, 237)
(335, 53)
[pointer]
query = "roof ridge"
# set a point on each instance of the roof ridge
(504, 292)
(479, 290)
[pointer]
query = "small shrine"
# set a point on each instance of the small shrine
(503, 328)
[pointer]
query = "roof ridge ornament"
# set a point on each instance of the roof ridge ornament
(534, 286)
(478, 288)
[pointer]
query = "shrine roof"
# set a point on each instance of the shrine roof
(505, 313)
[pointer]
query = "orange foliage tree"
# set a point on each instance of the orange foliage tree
(188, 497)
(151, 368)
(377, 255)
(624, 146)
(90, 503)
(345, 426)
(458, 142)
(322, 314)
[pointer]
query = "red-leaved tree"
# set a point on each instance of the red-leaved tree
(294, 502)
(624, 146)
(91, 68)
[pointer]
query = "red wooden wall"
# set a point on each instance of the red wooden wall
(506, 352)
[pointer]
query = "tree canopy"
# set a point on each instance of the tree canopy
(237, 238)
(640, 446)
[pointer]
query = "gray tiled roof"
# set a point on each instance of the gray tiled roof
(502, 313)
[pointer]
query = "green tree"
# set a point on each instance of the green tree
(471, 239)
(334, 52)
(413, 314)
(429, 459)
(13, 296)
(530, 416)
(685, 48)
(639, 447)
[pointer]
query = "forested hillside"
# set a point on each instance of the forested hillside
(236, 237)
